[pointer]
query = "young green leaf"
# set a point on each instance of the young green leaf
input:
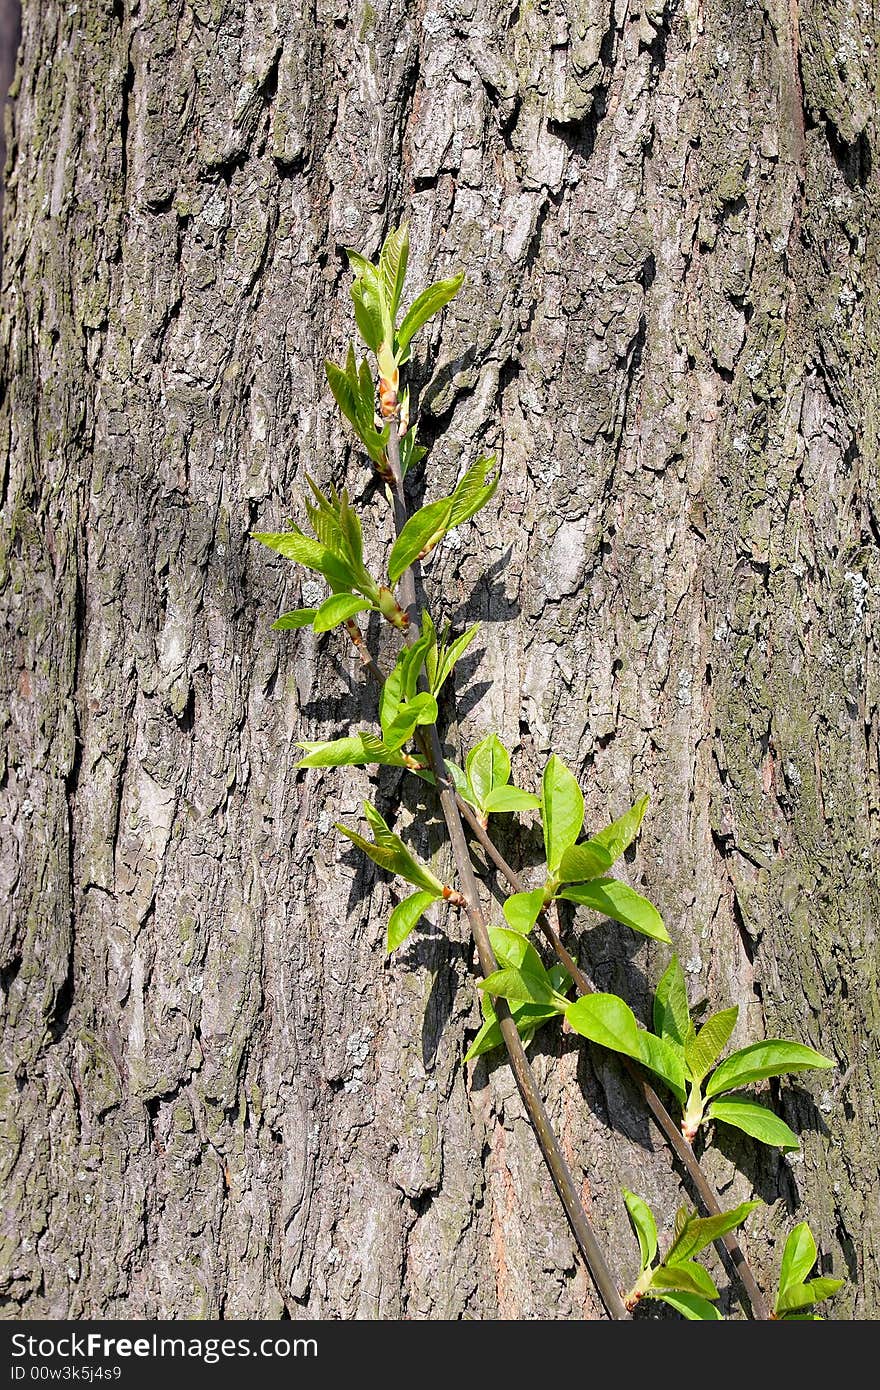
(389, 852)
(562, 811)
(424, 307)
(392, 267)
(461, 783)
(411, 453)
(691, 1306)
(357, 750)
(524, 986)
(522, 909)
(587, 860)
(509, 799)
(421, 709)
(686, 1277)
(703, 1049)
(617, 900)
(514, 951)
(798, 1257)
(293, 545)
(619, 835)
(405, 916)
(527, 1017)
(754, 1119)
(700, 1231)
(607, 1020)
(799, 1296)
(337, 609)
(345, 397)
(776, 1057)
(449, 656)
(796, 1293)
(300, 617)
(421, 533)
(487, 766)
(672, 1019)
(644, 1225)
(470, 495)
(665, 1060)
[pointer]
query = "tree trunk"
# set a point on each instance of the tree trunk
(221, 1098)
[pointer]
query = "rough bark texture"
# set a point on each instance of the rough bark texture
(219, 1097)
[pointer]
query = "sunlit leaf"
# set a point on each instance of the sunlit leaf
(301, 617)
(754, 1119)
(405, 916)
(424, 307)
(702, 1050)
(562, 811)
(644, 1225)
(617, 900)
(337, 609)
(775, 1057)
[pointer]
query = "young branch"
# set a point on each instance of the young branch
(525, 1079)
(728, 1245)
(665, 1122)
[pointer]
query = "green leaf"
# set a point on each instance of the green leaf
(522, 985)
(424, 307)
(293, 545)
(644, 1225)
(451, 655)
(615, 899)
(421, 709)
(337, 609)
(703, 1049)
(672, 1018)
(300, 617)
(389, 852)
(367, 315)
(421, 533)
(509, 799)
(405, 916)
(392, 267)
(515, 952)
(411, 453)
(527, 1017)
(665, 1060)
(700, 1231)
(357, 750)
(523, 909)
(607, 1020)
(619, 835)
(776, 1057)
(584, 861)
(351, 531)
(470, 494)
(806, 1295)
(687, 1277)
(798, 1257)
(340, 384)
(562, 811)
(459, 780)
(487, 766)
(754, 1119)
(691, 1306)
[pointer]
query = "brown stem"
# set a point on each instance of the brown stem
(525, 1079)
(665, 1122)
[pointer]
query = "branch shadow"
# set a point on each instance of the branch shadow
(487, 601)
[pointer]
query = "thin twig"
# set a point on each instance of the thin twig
(665, 1122)
(525, 1079)
(729, 1246)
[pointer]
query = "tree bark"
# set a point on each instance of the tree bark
(221, 1098)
